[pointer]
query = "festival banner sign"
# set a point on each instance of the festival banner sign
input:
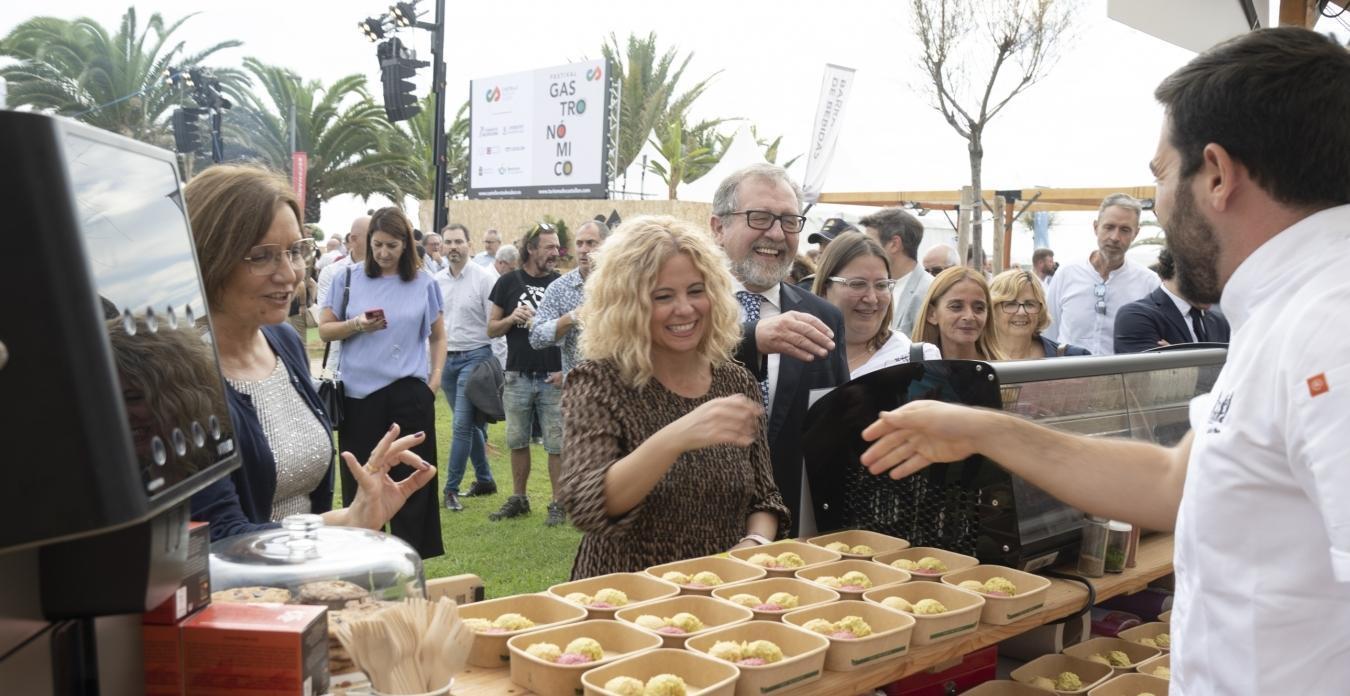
(834, 91)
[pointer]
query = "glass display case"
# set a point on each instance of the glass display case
(307, 562)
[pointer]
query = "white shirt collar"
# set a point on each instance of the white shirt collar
(1271, 265)
(1182, 305)
(772, 295)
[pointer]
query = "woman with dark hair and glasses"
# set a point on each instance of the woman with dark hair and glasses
(246, 226)
(1020, 315)
(387, 313)
(855, 276)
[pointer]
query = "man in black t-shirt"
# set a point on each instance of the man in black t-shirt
(533, 377)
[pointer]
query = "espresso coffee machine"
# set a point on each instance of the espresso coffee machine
(114, 408)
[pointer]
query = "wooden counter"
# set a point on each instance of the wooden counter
(1062, 599)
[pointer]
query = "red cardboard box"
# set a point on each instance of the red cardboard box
(974, 669)
(257, 650)
(162, 651)
(194, 592)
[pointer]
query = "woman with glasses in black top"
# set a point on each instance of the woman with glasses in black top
(1020, 315)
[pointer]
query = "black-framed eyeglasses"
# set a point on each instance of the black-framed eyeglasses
(265, 259)
(860, 286)
(763, 220)
(934, 270)
(1100, 291)
(1011, 307)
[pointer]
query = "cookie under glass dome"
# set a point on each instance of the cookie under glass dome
(306, 562)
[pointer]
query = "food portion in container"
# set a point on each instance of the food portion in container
(679, 624)
(504, 623)
(1113, 658)
(856, 549)
(848, 628)
(786, 559)
(852, 581)
(580, 651)
(755, 653)
(1066, 681)
(1162, 640)
(604, 598)
(659, 685)
(700, 580)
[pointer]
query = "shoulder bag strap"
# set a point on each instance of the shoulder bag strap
(346, 295)
(916, 352)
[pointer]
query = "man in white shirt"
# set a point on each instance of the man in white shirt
(1086, 295)
(356, 255)
(1259, 490)
(332, 252)
(434, 262)
(900, 233)
(491, 243)
(464, 293)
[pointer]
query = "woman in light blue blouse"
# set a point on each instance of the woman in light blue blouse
(387, 313)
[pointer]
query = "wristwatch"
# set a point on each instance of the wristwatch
(757, 538)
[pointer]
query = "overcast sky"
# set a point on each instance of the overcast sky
(1092, 122)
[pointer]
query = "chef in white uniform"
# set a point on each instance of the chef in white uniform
(1259, 492)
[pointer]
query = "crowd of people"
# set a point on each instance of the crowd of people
(668, 376)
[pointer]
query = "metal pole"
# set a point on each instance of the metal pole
(442, 214)
(217, 144)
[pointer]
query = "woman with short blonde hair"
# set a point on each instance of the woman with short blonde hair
(955, 316)
(1020, 315)
(664, 455)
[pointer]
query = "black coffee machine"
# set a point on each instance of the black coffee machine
(113, 400)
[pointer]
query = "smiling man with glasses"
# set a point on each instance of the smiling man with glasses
(792, 340)
(1086, 294)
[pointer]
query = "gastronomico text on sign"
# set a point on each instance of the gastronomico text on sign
(540, 134)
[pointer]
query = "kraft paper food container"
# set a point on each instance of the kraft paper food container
(731, 571)
(1051, 666)
(813, 555)
(545, 610)
(1165, 617)
(1093, 646)
(808, 594)
(880, 543)
(714, 613)
(702, 675)
(1004, 687)
(1148, 630)
(1001, 611)
(617, 638)
(1131, 685)
(1147, 666)
(962, 615)
(954, 561)
(802, 663)
(640, 588)
(889, 638)
(880, 575)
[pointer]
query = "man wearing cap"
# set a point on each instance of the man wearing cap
(830, 229)
(900, 233)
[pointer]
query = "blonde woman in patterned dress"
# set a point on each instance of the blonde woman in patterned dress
(664, 453)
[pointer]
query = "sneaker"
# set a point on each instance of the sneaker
(481, 488)
(515, 506)
(556, 516)
(452, 501)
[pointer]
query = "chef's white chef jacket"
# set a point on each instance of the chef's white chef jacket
(1263, 533)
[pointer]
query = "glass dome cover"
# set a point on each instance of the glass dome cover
(317, 564)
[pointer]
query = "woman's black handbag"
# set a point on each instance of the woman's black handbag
(331, 393)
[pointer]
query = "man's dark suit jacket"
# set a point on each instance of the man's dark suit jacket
(1142, 323)
(796, 379)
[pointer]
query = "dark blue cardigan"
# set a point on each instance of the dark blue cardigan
(1052, 349)
(242, 501)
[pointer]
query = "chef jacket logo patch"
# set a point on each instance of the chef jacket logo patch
(1317, 385)
(1219, 414)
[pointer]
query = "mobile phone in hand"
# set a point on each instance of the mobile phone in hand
(374, 315)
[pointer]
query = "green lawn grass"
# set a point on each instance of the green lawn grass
(511, 556)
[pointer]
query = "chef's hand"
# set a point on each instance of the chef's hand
(794, 334)
(379, 497)
(729, 420)
(906, 440)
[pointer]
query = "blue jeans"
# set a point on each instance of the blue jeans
(468, 441)
(524, 396)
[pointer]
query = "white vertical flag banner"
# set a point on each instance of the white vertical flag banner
(834, 91)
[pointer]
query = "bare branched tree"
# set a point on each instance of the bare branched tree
(956, 38)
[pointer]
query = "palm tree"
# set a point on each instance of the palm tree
(689, 152)
(112, 81)
(647, 93)
(343, 130)
(771, 148)
(706, 135)
(413, 139)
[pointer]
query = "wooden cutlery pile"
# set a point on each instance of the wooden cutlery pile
(409, 648)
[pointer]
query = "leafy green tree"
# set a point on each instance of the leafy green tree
(344, 132)
(706, 134)
(648, 83)
(687, 152)
(413, 139)
(114, 81)
(771, 148)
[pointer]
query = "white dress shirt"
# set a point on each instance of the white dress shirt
(1072, 302)
(772, 306)
(466, 306)
(1185, 308)
(1263, 534)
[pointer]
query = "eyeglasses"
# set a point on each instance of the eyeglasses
(265, 259)
(1030, 306)
(934, 270)
(762, 220)
(1100, 291)
(860, 286)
